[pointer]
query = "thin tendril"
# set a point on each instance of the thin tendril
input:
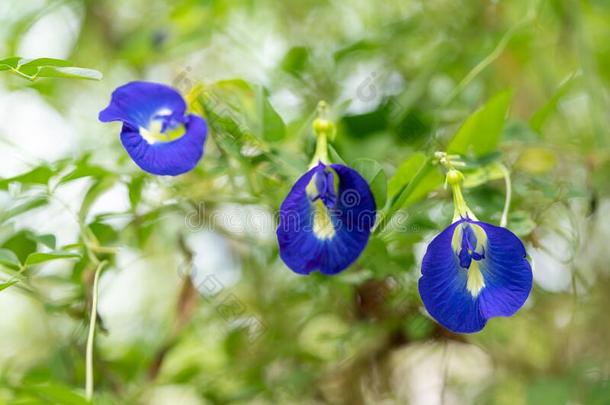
(90, 337)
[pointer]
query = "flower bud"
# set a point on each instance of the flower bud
(454, 177)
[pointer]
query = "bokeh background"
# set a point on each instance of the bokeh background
(195, 306)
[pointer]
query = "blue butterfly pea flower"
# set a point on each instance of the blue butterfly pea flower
(473, 271)
(157, 133)
(326, 220)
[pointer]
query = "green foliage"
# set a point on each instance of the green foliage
(37, 258)
(272, 127)
(47, 67)
(246, 108)
(9, 259)
(405, 172)
(39, 175)
(481, 132)
(417, 176)
(528, 92)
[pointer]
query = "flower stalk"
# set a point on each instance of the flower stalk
(454, 178)
(323, 129)
(91, 336)
(507, 182)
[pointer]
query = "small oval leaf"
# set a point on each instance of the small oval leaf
(39, 257)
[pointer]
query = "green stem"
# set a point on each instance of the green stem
(460, 208)
(323, 128)
(90, 337)
(25, 76)
(507, 182)
(321, 154)
(490, 58)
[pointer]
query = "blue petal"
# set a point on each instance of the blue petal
(504, 270)
(167, 158)
(443, 287)
(136, 103)
(302, 248)
(507, 273)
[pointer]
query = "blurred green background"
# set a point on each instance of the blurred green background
(195, 306)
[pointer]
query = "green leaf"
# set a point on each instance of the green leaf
(104, 233)
(97, 189)
(21, 244)
(405, 173)
(228, 104)
(26, 64)
(84, 169)
(243, 112)
(47, 67)
(334, 155)
(40, 257)
(4, 286)
(38, 175)
(9, 259)
(21, 208)
(47, 239)
(425, 180)
(374, 174)
(481, 132)
(539, 118)
(295, 60)
(272, 127)
(69, 72)
(136, 185)
(431, 180)
(9, 63)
